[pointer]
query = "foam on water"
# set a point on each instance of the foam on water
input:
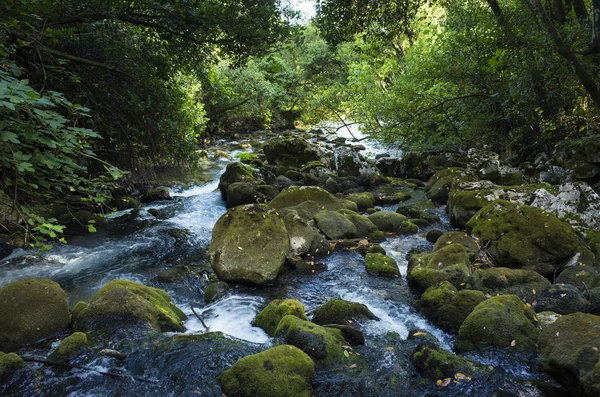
(232, 316)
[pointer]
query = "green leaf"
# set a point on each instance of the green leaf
(8, 136)
(91, 229)
(346, 354)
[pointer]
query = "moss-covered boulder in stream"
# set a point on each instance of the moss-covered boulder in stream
(453, 313)
(364, 227)
(295, 195)
(434, 363)
(290, 151)
(249, 245)
(155, 194)
(381, 265)
(434, 297)
(240, 193)
(525, 237)
(282, 371)
(235, 172)
(363, 201)
(340, 311)
(457, 237)
(30, 310)
(502, 321)
(300, 232)
(122, 303)
(318, 342)
(450, 263)
(570, 351)
(69, 347)
(334, 225)
(526, 284)
(270, 316)
(439, 185)
(387, 221)
(561, 299)
(9, 363)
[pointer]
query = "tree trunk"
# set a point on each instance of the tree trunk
(566, 52)
(496, 10)
(559, 10)
(595, 42)
(580, 10)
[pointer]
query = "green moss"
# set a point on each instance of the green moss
(30, 310)
(9, 363)
(434, 298)
(462, 238)
(370, 248)
(525, 237)
(269, 317)
(408, 227)
(334, 225)
(282, 371)
(294, 195)
(215, 290)
(594, 239)
(503, 321)
(349, 205)
(79, 306)
(318, 342)
(440, 183)
(434, 363)
(246, 157)
(526, 284)
(339, 311)
(453, 313)
(450, 263)
(363, 201)
(381, 265)
(363, 225)
(387, 221)
(69, 347)
(235, 172)
(569, 351)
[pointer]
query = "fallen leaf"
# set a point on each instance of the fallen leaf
(461, 376)
(563, 295)
(332, 245)
(513, 343)
(362, 242)
(353, 366)
(346, 354)
(595, 348)
(419, 333)
(443, 382)
(533, 291)
(240, 248)
(347, 347)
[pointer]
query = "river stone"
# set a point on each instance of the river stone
(235, 172)
(525, 237)
(434, 363)
(381, 265)
(450, 263)
(462, 238)
(453, 314)
(318, 342)
(69, 347)
(340, 311)
(30, 310)
(334, 225)
(526, 284)
(300, 233)
(348, 162)
(387, 221)
(290, 151)
(249, 245)
(124, 303)
(363, 201)
(503, 321)
(561, 299)
(9, 363)
(155, 194)
(269, 317)
(439, 185)
(569, 350)
(282, 371)
(296, 195)
(583, 277)
(364, 226)
(240, 193)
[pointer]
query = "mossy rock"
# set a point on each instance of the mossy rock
(502, 321)
(393, 198)
(526, 237)
(31, 309)
(235, 172)
(78, 308)
(583, 277)
(370, 248)
(364, 226)
(215, 291)
(569, 351)
(269, 317)
(463, 204)
(295, 195)
(434, 297)
(282, 371)
(122, 302)
(69, 347)
(363, 201)
(377, 237)
(340, 311)
(594, 241)
(434, 363)
(439, 185)
(349, 205)
(462, 238)
(452, 314)
(77, 222)
(319, 248)
(526, 284)
(240, 193)
(9, 363)
(381, 265)
(318, 342)
(305, 210)
(334, 225)
(433, 235)
(387, 221)
(408, 227)
(249, 245)
(124, 203)
(290, 151)
(300, 233)
(450, 263)
(561, 299)
(155, 194)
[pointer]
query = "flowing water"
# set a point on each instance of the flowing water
(142, 250)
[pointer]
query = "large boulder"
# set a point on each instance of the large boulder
(282, 371)
(439, 185)
(300, 233)
(290, 151)
(297, 195)
(364, 226)
(387, 221)
(457, 237)
(525, 237)
(340, 311)
(569, 351)
(502, 321)
(561, 299)
(349, 162)
(452, 314)
(316, 341)
(30, 310)
(270, 316)
(450, 263)
(434, 363)
(155, 194)
(235, 172)
(240, 193)
(381, 265)
(526, 284)
(249, 245)
(124, 303)
(334, 225)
